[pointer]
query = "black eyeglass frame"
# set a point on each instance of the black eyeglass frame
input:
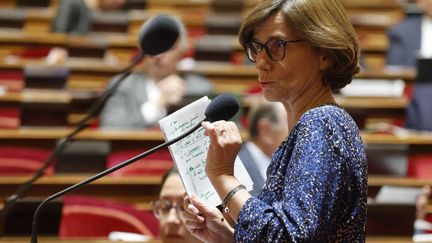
(156, 204)
(250, 49)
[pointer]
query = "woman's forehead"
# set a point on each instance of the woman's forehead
(273, 26)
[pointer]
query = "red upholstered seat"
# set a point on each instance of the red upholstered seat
(10, 116)
(420, 166)
(32, 53)
(22, 160)
(12, 81)
(155, 164)
(84, 216)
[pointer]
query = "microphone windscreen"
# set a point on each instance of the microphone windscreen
(223, 107)
(158, 35)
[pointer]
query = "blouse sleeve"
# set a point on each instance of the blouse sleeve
(311, 180)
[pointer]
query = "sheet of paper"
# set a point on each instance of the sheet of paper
(397, 195)
(190, 153)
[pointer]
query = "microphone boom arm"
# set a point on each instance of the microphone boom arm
(102, 174)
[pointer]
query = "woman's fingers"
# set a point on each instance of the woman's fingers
(191, 213)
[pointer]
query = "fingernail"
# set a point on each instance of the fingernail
(200, 218)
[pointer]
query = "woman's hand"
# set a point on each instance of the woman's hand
(225, 142)
(205, 222)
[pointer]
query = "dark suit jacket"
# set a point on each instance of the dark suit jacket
(405, 41)
(250, 164)
(419, 112)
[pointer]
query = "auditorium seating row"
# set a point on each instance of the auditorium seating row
(61, 93)
(139, 183)
(371, 19)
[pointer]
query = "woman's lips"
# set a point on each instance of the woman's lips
(266, 84)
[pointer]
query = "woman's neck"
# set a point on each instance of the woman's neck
(298, 107)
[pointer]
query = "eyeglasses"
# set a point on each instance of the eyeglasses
(162, 208)
(275, 49)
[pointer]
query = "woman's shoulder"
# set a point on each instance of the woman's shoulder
(329, 117)
(325, 112)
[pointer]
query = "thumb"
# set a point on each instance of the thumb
(204, 208)
(210, 130)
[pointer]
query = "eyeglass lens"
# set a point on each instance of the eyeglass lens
(162, 208)
(275, 49)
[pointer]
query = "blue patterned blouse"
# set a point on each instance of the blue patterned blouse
(316, 186)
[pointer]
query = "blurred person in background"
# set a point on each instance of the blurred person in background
(169, 210)
(267, 126)
(145, 97)
(74, 17)
(411, 37)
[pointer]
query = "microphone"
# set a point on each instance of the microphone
(223, 107)
(157, 35)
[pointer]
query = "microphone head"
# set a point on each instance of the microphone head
(223, 107)
(158, 35)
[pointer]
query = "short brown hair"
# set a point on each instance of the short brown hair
(323, 23)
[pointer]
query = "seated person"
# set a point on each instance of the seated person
(411, 36)
(423, 224)
(144, 98)
(169, 210)
(267, 129)
(74, 16)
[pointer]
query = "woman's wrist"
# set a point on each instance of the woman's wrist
(223, 184)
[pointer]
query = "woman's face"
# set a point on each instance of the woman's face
(297, 74)
(172, 228)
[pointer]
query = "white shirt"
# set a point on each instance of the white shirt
(426, 37)
(262, 160)
(149, 110)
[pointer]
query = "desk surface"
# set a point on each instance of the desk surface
(53, 239)
(387, 239)
(412, 138)
(205, 68)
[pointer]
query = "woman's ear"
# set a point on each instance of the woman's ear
(324, 60)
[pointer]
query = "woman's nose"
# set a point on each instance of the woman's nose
(262, 61)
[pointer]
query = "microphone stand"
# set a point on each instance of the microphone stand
(102, 174)
(60, 147)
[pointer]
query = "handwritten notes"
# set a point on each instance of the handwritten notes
(190, 153)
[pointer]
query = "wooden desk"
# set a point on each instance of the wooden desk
(57, 240)
(151, 136)
(92, 73)
(410, 138)
(388, 239)
(377, 181)
(142, 189)
(376, 239)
